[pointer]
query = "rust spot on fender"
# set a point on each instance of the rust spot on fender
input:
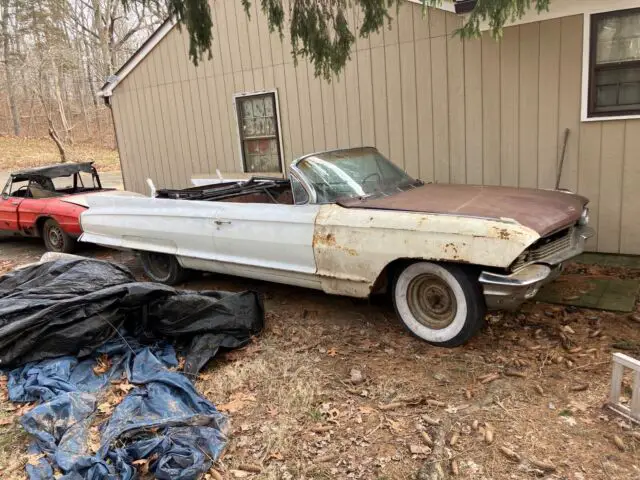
(451, 246)
(329, 240)
(502, 233)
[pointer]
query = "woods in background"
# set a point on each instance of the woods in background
(56, 54)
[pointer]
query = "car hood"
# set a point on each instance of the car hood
(544, 211)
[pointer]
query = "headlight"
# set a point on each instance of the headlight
(584, 218)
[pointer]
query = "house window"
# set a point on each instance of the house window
(614, 76)
(258, 125)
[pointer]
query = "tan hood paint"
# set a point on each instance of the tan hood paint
(544, 211)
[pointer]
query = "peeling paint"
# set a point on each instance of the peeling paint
(344, 235)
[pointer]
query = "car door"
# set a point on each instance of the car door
(9, 210)
(275, 237)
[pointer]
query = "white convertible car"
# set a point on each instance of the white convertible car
(349, 222)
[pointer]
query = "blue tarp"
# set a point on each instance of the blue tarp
(162, 418)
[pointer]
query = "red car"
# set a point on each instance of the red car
(46, 202)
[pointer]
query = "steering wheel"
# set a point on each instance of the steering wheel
(374, 174)
(26, 189)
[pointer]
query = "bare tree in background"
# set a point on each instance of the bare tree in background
(5, 34)
(56, 54)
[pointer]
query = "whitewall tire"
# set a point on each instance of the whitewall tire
(441, 304)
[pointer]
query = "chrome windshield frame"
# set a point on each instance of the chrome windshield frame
(293, 169)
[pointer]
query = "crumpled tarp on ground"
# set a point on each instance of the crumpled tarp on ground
(57, 318)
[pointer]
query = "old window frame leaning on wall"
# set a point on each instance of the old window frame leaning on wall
(614, 64)
(259, 131)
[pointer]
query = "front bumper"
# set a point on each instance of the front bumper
(508, 292)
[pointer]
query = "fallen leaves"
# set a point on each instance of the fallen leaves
(106, 408)
(93, 442)
(489, 378)
(103, 364)
(34, 458)
(237, 401)
(243, 471)
(124, 386)
(6, 266)
(618, 442)
(419, 449)
(142, 466)
(213, 474)
(510, 454)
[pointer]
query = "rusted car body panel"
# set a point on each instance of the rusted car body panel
(353, 245)
(543, 211)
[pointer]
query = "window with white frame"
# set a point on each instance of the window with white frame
(614, 64)
(258, 126)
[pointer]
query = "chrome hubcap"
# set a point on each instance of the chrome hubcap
(431, 301)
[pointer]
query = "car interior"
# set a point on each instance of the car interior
(255, 190)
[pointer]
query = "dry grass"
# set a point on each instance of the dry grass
(13, 440)
(17, 153)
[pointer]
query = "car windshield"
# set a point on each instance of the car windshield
(361, 172)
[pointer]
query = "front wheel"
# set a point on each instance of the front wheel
(162, 268)
(442, 304)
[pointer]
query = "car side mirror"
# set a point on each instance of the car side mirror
(5, 196)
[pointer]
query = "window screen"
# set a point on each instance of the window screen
(258, 124)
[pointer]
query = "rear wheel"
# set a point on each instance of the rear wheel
(56, 239)
(162, 268)
(442, 304)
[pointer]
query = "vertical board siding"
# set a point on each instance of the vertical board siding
(473, 110)
(611, 168)
(509, 103)
(409, 108)
(569, 107)
(394, 104)
(491, 111)
(379, 89)
(630, 231)
(365, 91)
(426, 164)
(589, 173)
(476, 111)
(457, 120)
(529, 104)
(440, 106)
(548, 146)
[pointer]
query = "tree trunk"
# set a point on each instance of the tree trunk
(54, 136)
(61, 110)
(7, 54)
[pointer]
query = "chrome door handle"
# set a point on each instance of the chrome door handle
(15, 203)
(222, 222)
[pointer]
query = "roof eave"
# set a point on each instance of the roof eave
(140, 54)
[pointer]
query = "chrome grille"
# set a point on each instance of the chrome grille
(545, 248)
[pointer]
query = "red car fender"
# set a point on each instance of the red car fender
(66, 214)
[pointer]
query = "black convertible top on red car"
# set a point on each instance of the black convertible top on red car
(53, 171)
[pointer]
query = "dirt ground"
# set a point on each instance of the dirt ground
(336, 388)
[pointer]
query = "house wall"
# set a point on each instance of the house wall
(477, 112)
